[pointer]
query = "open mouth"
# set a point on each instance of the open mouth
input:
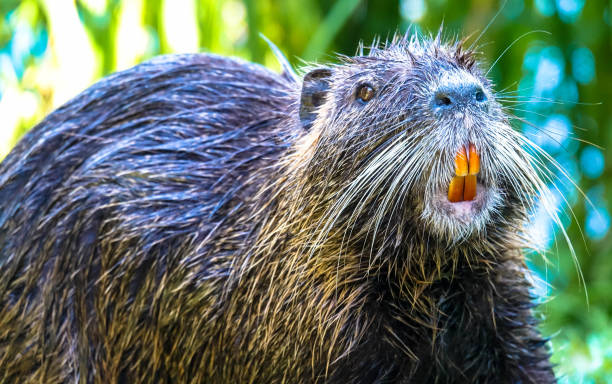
(467, 196)
(463, 186)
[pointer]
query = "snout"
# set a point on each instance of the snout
(457, 93)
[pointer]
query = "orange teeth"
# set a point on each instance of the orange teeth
(463, 185)
(469, 190)
(455, 189)
(474, 160)
(461, 163)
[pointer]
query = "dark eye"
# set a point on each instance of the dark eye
(365, 92)
(480, 96)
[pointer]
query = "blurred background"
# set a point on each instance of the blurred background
(556, 67)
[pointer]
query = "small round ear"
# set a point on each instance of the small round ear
(314, 88)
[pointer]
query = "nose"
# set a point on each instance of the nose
(449, 97)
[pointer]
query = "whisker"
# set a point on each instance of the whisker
(512, 44)
(570, 134)
(489, 24)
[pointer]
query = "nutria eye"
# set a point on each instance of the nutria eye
(480, 96)
(365, 92)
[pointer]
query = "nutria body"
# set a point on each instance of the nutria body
(199, 219)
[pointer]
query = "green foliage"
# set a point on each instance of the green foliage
(557, 84)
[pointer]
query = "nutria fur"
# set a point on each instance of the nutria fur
(200, 219)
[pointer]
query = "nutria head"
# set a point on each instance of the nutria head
(391, 134)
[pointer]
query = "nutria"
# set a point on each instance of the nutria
(200, 219)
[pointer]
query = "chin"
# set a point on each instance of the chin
(455, 222)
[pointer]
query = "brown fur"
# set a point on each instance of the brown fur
(198, 219)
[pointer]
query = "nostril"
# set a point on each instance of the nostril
(457, 96)
(480, 96)
(441, 99)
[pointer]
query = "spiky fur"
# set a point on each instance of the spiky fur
(175, 223)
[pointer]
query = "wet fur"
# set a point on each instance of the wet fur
(177, 223)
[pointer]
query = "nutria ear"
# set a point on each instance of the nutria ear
(314, 89)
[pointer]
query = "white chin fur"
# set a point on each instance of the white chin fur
(457, 221)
